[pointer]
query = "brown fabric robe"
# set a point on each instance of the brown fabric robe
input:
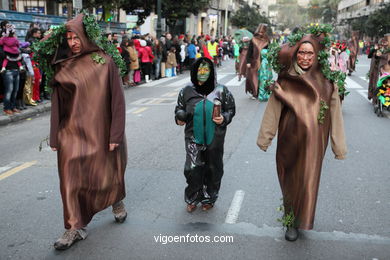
(292, 110)
(252, 73)
(353, 46)
(88, 113)
(242, 63)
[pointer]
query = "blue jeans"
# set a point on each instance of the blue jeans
(11, 86)
(157, 68)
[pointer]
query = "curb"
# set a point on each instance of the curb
(25, 114)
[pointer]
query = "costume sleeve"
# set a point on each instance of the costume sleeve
(270, 123)
(180, 109)
(249, 53)
(54, 118)
(118, 106)
(228, 107)
(337, 136)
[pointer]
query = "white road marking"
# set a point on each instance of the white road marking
(351, 84)
(170, 94)
(9, 166)
(364, 78)
(131, 110)
(235, 207)
(234, 82)
(155, 82)
(155, 101)
(16, 169)
(364, 93)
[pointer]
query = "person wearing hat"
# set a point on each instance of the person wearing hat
(206, 108)
(304, 109)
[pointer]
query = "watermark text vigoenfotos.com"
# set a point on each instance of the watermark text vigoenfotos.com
(166, 239)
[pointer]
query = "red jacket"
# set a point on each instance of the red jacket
(145, 54)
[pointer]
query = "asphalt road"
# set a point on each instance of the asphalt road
(353, 209)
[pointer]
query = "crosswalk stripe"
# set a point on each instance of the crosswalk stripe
(351, 84)
(235, 82)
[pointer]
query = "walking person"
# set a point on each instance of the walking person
(305, 110)
(204, 133)
(87, 131)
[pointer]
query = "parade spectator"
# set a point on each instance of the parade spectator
(146, 57)
(11, 46)
(170, 67)
(134, 63)
(126, 58)
(191, 50)
(157, 52)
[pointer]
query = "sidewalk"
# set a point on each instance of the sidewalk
(31, 111)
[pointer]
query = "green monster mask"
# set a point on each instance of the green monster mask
(203, 72)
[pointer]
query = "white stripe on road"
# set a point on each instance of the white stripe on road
(131, 110)
(364, 78)
(155, 82)
(351, 84)
(235, 207)
(234, 82)
(364, 93)
(8, 166)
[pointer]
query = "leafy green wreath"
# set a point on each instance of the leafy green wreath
(44, 51)
(337, 77)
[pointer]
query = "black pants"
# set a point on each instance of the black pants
(203, 170)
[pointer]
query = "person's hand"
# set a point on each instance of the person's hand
(54, 149)
(112, 147)
(179, 122)
(218, 120)
(248, 65)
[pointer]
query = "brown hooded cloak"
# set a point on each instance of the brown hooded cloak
(353, 46)
(254, 58)
(242, 60)
(88, 113)
(292, 110)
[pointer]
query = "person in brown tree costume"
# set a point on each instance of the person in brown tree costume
(243, 51)
(353, 46)
(380, 63)
(304, 108)
(259, 41)
(87, 131)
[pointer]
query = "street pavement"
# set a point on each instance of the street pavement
(353, 207)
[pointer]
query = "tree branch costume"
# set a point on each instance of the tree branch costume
(304, 108)
(204, 140)
(88, 113)
(242, 58)
(253, 58)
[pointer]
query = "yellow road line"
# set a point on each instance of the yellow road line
(142, 109)
(17, 169)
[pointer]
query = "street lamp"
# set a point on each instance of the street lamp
(158, 29)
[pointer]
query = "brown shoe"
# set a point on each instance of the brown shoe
(206, 207)
(8, 112)
(119, 211)
(69, 238)
(191, 208)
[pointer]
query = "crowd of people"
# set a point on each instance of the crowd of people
(22, 82)
(148, 58)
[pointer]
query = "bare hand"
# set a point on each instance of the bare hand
(180, 122)
(54, 149)
(112, 147)
(248, 65)
(218, 120)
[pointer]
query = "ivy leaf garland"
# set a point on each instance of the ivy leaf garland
(336, 77)
(44, 51)
(321, 113)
